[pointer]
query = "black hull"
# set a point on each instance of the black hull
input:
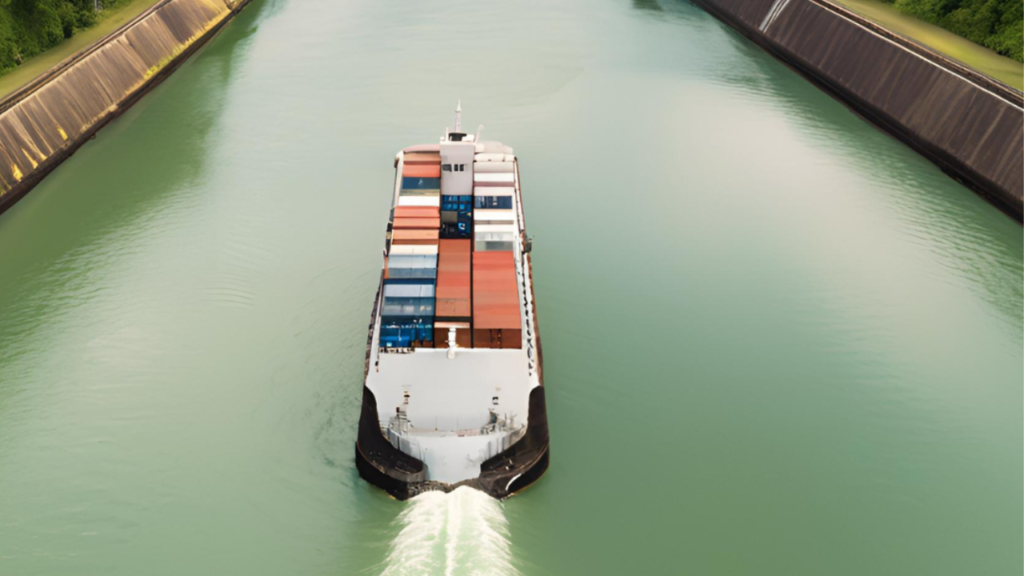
(403, 476)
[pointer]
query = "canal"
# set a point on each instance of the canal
(777, 341)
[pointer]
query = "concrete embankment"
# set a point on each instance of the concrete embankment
(968, 124)
(47, 120)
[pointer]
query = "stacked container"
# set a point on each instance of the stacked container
(421, 180)
(453, 308)
(457, 216)
(496, 317)
(410, 273)
(496, 320)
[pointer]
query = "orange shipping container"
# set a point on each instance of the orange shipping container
(406, 236)
(417, 212)
(498, 338)
(421, 171)
(422, 158)
(452, 298)
(495, 291)
(424, 223)
(463, 335)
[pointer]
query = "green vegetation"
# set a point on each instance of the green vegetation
(995, 24)
(982, 59)
(28, 27)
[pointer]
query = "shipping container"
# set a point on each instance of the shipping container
(493, 243)
(498, 338)
(417, 223)
(413, 249)
(456, 216)
(495, 238)
(422, 158)
(463, 334)
(406, 236)
(453, 280)
(410, 266)
(495, 300)
(504, 178)
(421, 183)
(417, 212)
(421, 171)
(419, 193)
(403, 333)
(486, 202)
(487, 167)
(419, 201)
(407, 313)
(484, 216)
(494, 190)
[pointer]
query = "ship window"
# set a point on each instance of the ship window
(446, 167)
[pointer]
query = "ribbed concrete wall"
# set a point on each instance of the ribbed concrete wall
(970, 125)
(46, 121)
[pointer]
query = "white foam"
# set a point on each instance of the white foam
(463, 533)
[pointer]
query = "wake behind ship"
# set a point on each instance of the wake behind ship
(454, 392)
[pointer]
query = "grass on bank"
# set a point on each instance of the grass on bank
(14, 75)
(1002, 68)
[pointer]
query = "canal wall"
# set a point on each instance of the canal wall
(968, 124)
(45, 121)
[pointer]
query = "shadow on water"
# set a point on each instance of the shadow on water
(60, 237)
(971, 238)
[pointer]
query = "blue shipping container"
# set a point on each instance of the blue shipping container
(412, 183)
(403, 334)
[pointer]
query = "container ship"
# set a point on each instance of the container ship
(453, 392)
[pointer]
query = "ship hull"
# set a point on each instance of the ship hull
(453, 358)
(403, 476)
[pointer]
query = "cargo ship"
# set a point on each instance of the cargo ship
(453, 393)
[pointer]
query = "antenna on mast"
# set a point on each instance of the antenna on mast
(458, 117)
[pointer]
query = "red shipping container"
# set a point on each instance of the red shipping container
(463, 335)
(421, 223)
(498, 338)
(452, 298)
(417, 212)
(422, 158)
(406, 236)
(495, 291)
(421, 171)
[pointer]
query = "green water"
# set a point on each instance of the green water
(777, 342)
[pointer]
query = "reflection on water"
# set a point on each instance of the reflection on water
(972, 239)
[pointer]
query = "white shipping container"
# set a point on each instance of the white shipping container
(409, 290)
(494, 177)
(495, 228)
(434, 201)
(494, 215)
(412, 261)
(487, 167)
(413, 249)
(494, 191)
